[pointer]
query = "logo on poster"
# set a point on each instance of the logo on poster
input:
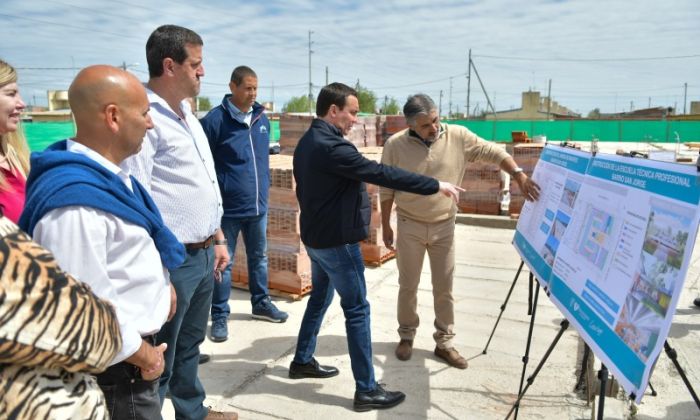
(577, 311)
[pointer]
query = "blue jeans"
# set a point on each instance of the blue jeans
(193, 282)
(254, 237)
(127, 395)
(340, 268)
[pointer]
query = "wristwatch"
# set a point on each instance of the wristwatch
(516, 171)
(220, 242)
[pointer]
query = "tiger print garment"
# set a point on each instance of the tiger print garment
(54, 333)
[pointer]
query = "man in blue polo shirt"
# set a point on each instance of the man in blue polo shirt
(239, 138)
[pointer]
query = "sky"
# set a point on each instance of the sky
(614, 55)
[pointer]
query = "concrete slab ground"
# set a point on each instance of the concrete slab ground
(248, 373)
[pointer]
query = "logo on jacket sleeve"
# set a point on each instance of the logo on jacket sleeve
(263, 129)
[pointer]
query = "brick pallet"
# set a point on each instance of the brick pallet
(289, 267)
(374, 252)
(482, 183)
(288, 271)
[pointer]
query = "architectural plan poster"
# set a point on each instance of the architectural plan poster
(541, 225)
(620, 264)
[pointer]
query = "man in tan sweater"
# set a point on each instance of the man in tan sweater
(427, 223)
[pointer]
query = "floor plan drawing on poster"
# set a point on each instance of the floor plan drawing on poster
(541, 225)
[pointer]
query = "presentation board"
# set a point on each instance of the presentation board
(611, 239)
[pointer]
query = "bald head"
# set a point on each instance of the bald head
(111, 111)
(95, 87)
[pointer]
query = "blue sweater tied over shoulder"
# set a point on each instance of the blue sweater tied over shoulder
(59, 178)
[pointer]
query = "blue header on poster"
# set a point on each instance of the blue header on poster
(682, 187)
(564, 158)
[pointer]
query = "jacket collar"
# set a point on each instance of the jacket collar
(321, 123)
(257, 109)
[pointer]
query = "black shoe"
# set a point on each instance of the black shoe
(696, 302)
(204, 358)
(379, 398)
(311, 370)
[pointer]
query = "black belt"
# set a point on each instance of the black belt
(201, 245)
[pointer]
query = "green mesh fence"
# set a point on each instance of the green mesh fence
(274, 131)
(42, 134)
(586, 130)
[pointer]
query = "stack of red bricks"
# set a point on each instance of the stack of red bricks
(482, 185)
(292, 127)
(388, 125)
(373, 250)
(289, 267)
(526, 155)
(364, 132)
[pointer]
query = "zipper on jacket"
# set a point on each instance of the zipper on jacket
(255, 164)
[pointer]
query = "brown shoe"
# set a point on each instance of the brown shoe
(221, 415)
(452, 357)
(404, 349)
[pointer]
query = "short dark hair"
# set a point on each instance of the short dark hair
(168, 41)
(333, 94)
(240, 73)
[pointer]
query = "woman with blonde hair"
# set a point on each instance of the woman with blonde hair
(14, 153)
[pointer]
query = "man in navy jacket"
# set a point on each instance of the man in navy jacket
(239, 137)
(330, 174)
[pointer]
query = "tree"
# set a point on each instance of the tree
(392, 107)
(367, 99)
(204, 103)
(595, 113)
(299, 104)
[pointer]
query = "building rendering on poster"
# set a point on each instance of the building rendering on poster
(612, 245)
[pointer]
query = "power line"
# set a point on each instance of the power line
(81, 28)
(419, 83)
(109, 13)
(45, 68)
(674, 57)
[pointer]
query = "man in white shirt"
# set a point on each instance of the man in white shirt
(176, 166)
(104, 228)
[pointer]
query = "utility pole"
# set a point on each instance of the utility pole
(326, 75)
(469, 79)
(488, 100)
(449, 113)
(649, 106)
(685, 96)
(311, 95)
(273, 96)
(440, 106)
(549, 98)
(386, 98)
